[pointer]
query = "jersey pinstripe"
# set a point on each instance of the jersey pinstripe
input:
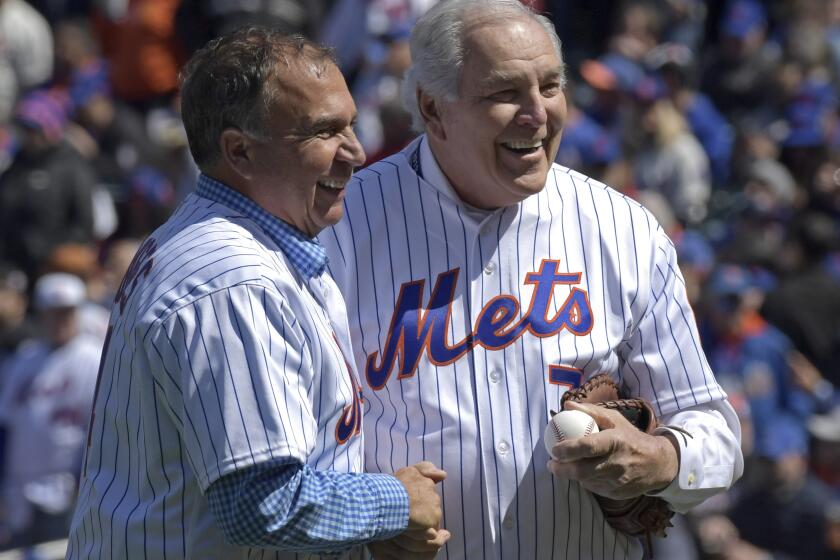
(468, 327)
(219, 356)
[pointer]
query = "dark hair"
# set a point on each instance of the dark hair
(230, 83)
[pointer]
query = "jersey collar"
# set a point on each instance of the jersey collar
(306, 254)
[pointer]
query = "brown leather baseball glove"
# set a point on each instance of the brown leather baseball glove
(642, 515)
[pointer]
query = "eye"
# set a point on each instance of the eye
(503, 96)
(551, 89)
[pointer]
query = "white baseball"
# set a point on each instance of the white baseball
(568, 424)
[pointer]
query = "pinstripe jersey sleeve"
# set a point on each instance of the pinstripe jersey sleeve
(292, 507)
(662, 355)
(236, 375)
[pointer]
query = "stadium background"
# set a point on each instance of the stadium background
(720, 116)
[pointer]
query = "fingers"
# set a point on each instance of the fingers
(595, 445)
(582, 470)
(604, 417)
(429, 470)
(403, 548)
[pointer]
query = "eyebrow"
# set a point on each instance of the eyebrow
(498, 77)
(327, 123)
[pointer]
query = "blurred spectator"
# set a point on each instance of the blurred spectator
(149, 202)
(825, 441)
(44, 411)
(825, 191)
(787, 514)
(377, 87)
(111, 134)
(613, 80)
(46, 195)
(142, 50)
(811, 118)
(118, 256)
(746, 351)
(15, 324)
(806, 303)
(81, 261)
(765, 205)
(198, 21)
(675, 64)
(739, 71)
(672, 162)
(344, 18)
(26, 43)
(696, 258)
(638, 29)
(586, 146)
(686, 20)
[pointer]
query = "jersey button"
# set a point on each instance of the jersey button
(495, 376)
(489, 268)
(509, 522)
(503, 447)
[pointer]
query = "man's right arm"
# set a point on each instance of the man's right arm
(286, 505)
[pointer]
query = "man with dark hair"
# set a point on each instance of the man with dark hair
(227, 417)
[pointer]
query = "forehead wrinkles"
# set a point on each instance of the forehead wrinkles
(294, 79)
(503, 52)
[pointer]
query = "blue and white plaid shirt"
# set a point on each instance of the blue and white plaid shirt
(284, 504)
(306, 254)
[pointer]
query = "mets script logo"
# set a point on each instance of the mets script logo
(350, 422)
(416, 328)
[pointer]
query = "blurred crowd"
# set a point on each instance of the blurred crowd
(720, 116)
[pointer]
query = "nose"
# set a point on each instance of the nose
(532, 111)
(351, 150)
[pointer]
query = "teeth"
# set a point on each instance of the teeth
(335, 185)
(523, 144)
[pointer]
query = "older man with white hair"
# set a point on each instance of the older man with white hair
(483, 281)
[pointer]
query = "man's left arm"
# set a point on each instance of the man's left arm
(662, 361)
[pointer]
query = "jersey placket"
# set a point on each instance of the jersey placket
(494, 414)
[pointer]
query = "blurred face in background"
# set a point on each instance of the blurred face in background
(60, 324)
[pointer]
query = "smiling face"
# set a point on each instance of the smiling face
(299, 173)
(497, 141)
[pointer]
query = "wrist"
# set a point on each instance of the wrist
(669, 451)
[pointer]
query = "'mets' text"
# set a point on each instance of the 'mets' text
(416, 328)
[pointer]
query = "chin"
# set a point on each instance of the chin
(530, 184)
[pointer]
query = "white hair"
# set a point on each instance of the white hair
(437, 46)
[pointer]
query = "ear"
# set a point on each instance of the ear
(237, 152)
(430, 109)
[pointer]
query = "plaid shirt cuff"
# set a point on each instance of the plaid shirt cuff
(393, 504)
(294, 508)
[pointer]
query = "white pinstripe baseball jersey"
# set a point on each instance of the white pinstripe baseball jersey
(46, 398)
(468, 326)
(220, 356)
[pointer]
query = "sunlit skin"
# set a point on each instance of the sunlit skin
(299, 172)
(509, 91)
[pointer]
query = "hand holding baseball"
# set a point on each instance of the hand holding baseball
(620, 461)
(566, 425)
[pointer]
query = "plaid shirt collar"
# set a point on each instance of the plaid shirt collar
(306, 254)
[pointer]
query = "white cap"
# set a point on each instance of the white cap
(59, 290)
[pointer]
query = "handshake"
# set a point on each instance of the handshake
(423, 537)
